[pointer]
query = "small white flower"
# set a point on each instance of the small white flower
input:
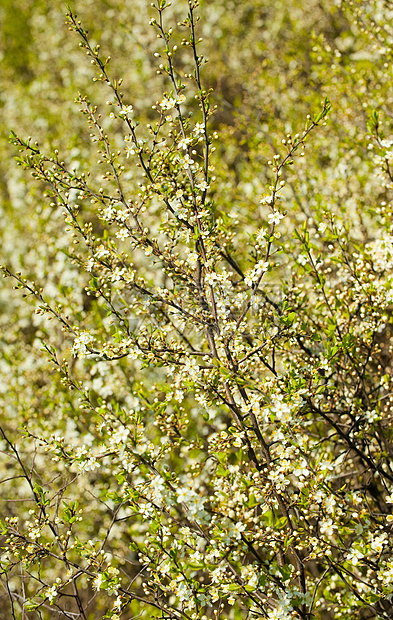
(192, 258)
(266, 200)
(387, 575)
(203, 186)
(187, 162)
(184, 495)
(302, 259)
(102, 252)
(327, 527)
(260, 236)
(237, 530)
(108, 213)
(122, 233)
(199, 129)
(130, 150)
(378, 543)
(167, 103)
(126, 111)
(51, 593)
(254, 274)
(329, 503)
(81, 344)
(89, 264)
(275, 217)
(302, 469)
(238, 442)
(87, 465)
(183, 143)
(261, 266)
(250, 575)
(386, 144)
(117, 604)
(354, 556)
(120, 435)
(80, 451)
(97, 582)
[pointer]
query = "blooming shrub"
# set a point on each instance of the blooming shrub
(197, 398)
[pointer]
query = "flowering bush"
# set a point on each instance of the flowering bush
(197, 386)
